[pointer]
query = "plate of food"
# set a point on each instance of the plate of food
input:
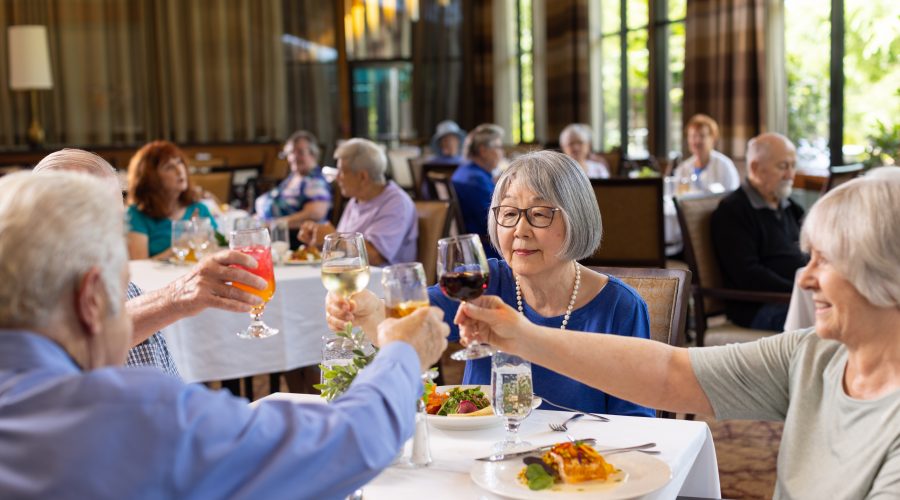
(304, 256)
(574, 470)
(462, 407)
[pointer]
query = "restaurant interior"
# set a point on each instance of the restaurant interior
(639, 84)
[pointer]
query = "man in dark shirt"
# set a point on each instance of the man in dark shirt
(756, 232)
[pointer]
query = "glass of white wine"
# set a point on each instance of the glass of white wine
(512, 390)
(345, 264)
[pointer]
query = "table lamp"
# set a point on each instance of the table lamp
(29, 69)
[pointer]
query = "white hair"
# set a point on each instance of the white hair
(556, 178)
(579, 130)
(853, 226)
(482, 135)
(77, 160)
(759, 148)
(53, 229)
(362, 154)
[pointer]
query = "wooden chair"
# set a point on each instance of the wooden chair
(337, 204)
(439, 184)
(632, 214)
(434, 223)
(444, 169)
(666, 293)
(217, 183)
(400, 170)
(708, 288)
(839, 174)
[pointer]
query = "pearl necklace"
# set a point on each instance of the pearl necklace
(565, 320)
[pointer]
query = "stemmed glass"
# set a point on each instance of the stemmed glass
(345, 264)
(512, 390)
(280, 240)
(463, 272)
(181, 239)
(404, 292)
(256, 244)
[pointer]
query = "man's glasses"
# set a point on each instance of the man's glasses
(536, 216)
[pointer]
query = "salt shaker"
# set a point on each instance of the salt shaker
(421, 449)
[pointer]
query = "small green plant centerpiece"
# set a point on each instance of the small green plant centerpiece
(337, 378)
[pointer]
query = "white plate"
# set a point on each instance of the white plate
(470, 423)
(642, 473)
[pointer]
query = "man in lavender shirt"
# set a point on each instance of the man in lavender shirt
(380, 210)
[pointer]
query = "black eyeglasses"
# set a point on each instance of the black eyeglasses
(536, 216)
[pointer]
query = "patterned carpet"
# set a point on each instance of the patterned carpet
(746, 451)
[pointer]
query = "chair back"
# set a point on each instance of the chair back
(439, 184)
(665, 291)
(217, 183)
(632, 215)
(434, 223)
(839, 174)
(444, 169)
(694, 216)
(337, 203)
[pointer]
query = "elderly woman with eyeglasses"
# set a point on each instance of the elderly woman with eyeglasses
(543, 219)
(835, 386)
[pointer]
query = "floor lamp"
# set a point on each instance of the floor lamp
(29, 69)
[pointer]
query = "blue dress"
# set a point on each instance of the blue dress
(616, 310)
(159, 231)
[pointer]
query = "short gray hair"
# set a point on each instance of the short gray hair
(309, 138)
(556, 178)
(362, 154)
(760, 147)
(579, 130)
(55, 227)
(75, 159)
(853, 227)
(482, 135)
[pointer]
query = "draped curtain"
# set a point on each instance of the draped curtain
(128, 71)
(724, 70)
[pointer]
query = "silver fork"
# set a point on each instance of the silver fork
(561, 407)
(563, 427)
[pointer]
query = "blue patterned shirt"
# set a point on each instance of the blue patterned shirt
(153, 351)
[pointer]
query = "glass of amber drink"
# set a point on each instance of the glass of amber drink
(404, 289)
(256, 244)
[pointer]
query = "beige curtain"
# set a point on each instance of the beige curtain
(128, 71)
(724, 70)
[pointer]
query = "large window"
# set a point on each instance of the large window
(621, 32)
(523, 107)
(847, 96)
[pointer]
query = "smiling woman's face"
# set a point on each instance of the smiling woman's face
(528, 249)
(839, 305)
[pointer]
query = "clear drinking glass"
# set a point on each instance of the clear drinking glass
(463, 275)
(202, 238)
(404, 292)
(345, 263)
(181, 238)
(256, 243)
(512, 391)
(280, 240)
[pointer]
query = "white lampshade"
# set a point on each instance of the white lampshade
(29, 58)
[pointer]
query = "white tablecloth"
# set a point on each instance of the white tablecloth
(206, 347)
(686, 446)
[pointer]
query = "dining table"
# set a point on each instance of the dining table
(206, 347)
(685, 446)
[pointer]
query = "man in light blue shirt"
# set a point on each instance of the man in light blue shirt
(74, 424)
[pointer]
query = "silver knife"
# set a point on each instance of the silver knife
(499, 457)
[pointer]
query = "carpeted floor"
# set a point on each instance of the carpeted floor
(746, 451)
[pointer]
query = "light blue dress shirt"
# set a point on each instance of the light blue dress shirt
(137, 433)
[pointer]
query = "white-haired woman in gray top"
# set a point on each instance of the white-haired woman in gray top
(575, 141)
(836, 386)
(543, 219)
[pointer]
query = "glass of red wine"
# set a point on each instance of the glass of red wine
(463, 271)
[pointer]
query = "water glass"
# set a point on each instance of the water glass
(512, 394)
(281, 245)
(181, 238)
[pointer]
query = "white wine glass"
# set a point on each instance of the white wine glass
(256, 244)
(181, 239)
(405, 291)
(463, 275)
(512, 393)
(345, 263)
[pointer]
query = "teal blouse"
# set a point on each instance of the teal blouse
(159, 231)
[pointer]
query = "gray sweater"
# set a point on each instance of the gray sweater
(833, 446)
